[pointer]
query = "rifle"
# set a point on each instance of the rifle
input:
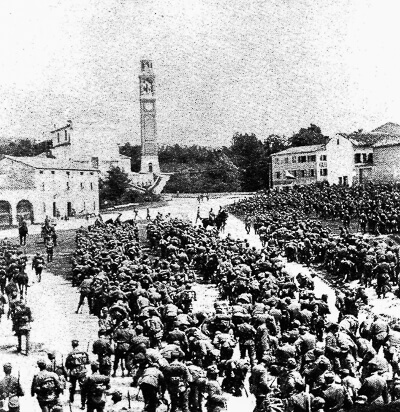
(129, 399)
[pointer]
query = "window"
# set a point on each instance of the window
(44, 207)
(294, 173)
(340, 181)
(337, 141)
(81, 173)
(323, 172)
(43, 187)
(94, 206)
(41, 172)
(370, 158)
(302, 173)
(286, 160)
(52, 172)
(68, 173)
(278, 175)
(311, 158)
(357, 158)
(67, 185)
(312, 173)
(58, 137)
(364, 158)
(276, 159)
(302, 159)
(66, 135)
(81, 185)
(322, 158)
(91, 173)
(91, 186)
(294, 159)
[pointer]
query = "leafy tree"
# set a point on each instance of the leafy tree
(307, 137)
(134, 153)
(114, 186)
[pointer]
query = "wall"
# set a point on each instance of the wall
(340, 159)
(282, 166)
(81, 189)
(386, 164)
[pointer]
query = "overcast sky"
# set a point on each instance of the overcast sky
(222, 66)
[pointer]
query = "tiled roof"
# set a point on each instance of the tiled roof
(38, 162)
(384, 135)
(389, 128)
(302, 149)
(388, 140)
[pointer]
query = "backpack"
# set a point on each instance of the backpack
(47, 388)
(77, 361)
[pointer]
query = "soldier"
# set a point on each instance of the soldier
(102, 348)
(10, 388)
(76, 366)
(85, 289)
(46, 386)
(177, 376)
(38, 265)
(213, 390)
(58, 369)
(94, 390)
(246, 335)
(152, 384)
(22, 319)
(50, 251)
(123, 335)
(335, 395)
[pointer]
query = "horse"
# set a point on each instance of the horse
(219, 222)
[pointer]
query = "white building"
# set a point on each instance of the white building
(36, 187)
(332, 162)
(89, 145)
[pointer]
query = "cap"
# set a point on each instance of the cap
(75, 342)
(329, 377)
(41, 362)
(7, 365)
(51, 354)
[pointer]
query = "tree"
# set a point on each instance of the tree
(114, 186)
(134, 152)
(307, 137)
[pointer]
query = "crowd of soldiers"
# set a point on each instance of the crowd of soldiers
(268, 334)
(292, 221)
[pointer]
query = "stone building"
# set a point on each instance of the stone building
(36, 187)
(331, 162)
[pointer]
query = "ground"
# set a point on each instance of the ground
(54, 300)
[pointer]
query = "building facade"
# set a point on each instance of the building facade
(36, 187)
(331, 162)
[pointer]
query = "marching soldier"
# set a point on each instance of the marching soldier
(76, 366)
(178, 377)
(46, 386)
(10, 388)
(38, 265)
(102, 348)
(22, 318)
(94, 390)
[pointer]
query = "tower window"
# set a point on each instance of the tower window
(58, 137)
(66, 134)
(81, 185)
(150, 167)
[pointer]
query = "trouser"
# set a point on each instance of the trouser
(47, 406)
(73, 381)
(39, 274)
(27, 335)
(179, 400)
(82, 297)
(149, 396)
(95, 407)
(195, 397)
(22, 239)
(250, 349)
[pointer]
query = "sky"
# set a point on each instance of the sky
(222, 66)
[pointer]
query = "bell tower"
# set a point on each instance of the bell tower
(148, 127)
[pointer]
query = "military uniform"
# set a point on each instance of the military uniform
(46, 386)
(177, 376)
(75, 363)
(94, 392)
(151, 383)
(10, 388)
